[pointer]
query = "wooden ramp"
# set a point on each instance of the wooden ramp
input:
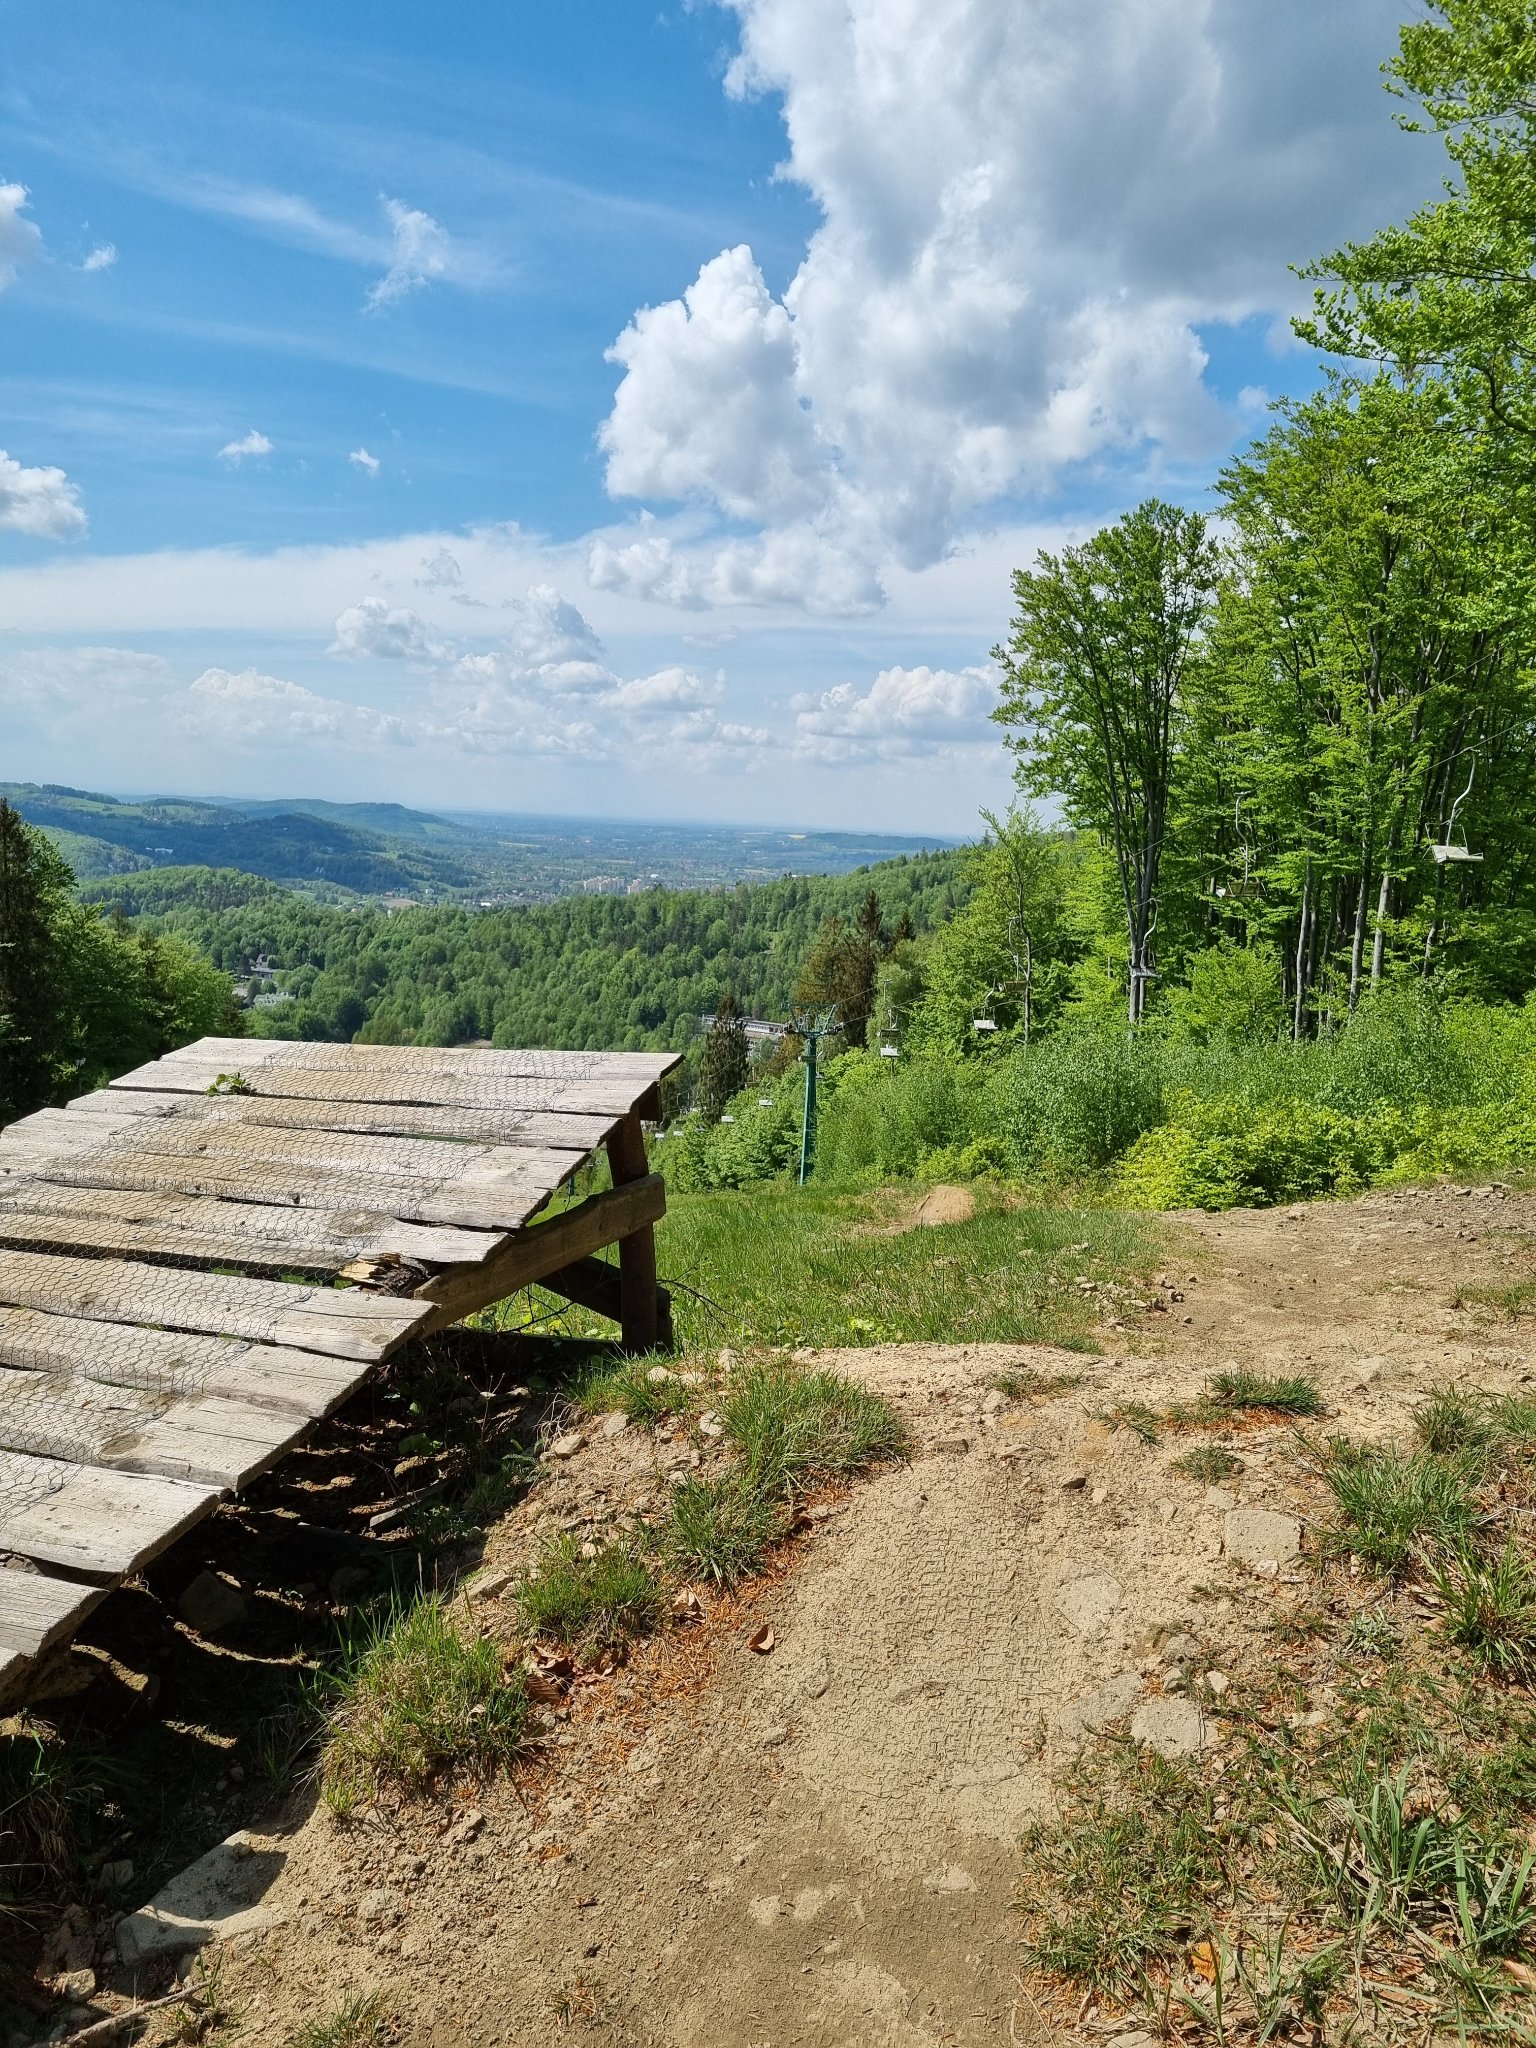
(170, 1248)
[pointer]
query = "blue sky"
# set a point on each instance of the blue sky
(597, 409)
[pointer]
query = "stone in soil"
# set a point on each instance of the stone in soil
(1257, 1536)
(215, 1898)
(1173, 1726)
(211, 1605)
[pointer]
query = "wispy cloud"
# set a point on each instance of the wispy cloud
(421, 252)
(21, 240)
(364, 461)
(102, 257)
(253, 443)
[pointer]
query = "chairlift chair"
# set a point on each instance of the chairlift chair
(1446, 850)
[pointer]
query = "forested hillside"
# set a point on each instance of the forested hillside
(625, 971)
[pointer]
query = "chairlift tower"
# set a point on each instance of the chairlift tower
(812, 1026)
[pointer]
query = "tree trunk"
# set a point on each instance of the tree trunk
(1379, 943)
(1303, 936)
(1357, 943)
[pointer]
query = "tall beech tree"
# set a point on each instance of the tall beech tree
(1094, 674)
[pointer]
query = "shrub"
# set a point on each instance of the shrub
(1075, 1102)
(1225, 1154)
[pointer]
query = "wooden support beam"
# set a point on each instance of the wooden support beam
(640, 1311)
(531, 1255)
(595, 1284)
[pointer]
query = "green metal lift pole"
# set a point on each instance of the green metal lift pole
(808, 1116)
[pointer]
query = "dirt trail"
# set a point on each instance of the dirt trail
(818, 1846)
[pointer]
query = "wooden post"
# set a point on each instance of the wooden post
(640, 1317)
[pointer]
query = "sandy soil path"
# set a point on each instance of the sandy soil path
(817, 1848)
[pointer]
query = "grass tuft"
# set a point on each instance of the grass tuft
(1137, 1417)
(1491, 1608)
(596, 1604)
(1452, 1420)
(791, 1425)
(361, 2022)
(720, 1529)
(1208, 1463)
(1030, 1385)
(414, 1702)
(1292, 1394)
(1394, 1505)
(630, 1389)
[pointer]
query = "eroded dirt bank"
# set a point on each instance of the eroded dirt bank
(818, 1845)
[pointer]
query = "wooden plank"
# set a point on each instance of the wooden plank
(594, 1284)
(36, 1609)
(300, 1383)
(104, 1525)
(453, 1079)
(530, 1254)
(567, 1131)
(250, 1056)
(346, 1323)
(44, 1216)
(220, 1443)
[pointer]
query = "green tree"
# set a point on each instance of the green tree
(723, 1062)
(34, 892)
(1094, 673)
(1453, 289)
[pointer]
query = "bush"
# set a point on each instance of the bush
(1075, 1102)
(1226, 1153)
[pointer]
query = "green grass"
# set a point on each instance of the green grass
(1491, 1608)
(1288, 1395)
(721, 1529)
(1137, 1417)
(1030, 1385)
(359, 2022)
(775, 1265)
(412, 1702)
(1208, 1463)
(596, 1604)
(790, 1425)
(1397, 1506)
(1451, 1420)
(641, 1388)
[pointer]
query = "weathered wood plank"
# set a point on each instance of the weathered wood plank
(531, 1254)
(641, 1311)
(179, 1229)
(36, 1609)
(299, 1383)
(344, 1322)
(248, 1056)
(495, 1187)
(569, 1081)
(220, 1443)
(559, 1130)
(101, 1524)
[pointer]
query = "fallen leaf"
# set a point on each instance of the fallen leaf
(687, 1606)
(543, 1691)
(761, 1640)
(1202, 1960)
(1522, 1973)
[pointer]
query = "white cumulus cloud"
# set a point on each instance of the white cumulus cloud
(904, 711)
(1027, 214)
(21, 240)
(361, 459)
(252, 709)
(253, 443)
(389, 632)
(42, 501)
(102, 257)
(421, 251)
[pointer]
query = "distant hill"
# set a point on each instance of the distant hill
(338, 853)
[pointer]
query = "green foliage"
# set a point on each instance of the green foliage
(1208, 1464)
(1491, 1608)
(1232, 992)
(414, 1701)
(596, 1604)
(646, 1393)
(358, 2022)
(723, 1060)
